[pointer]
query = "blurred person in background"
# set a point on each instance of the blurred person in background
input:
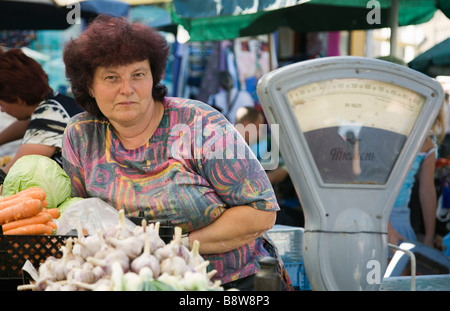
(444, 147)
(421, 173)
(41, 114)
(249, 123)
(229, 99)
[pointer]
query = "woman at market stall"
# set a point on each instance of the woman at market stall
(41, 114)
(169, 158)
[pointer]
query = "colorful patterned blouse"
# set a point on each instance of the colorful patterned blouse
(192, 169)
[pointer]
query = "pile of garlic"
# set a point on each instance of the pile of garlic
(120, 259)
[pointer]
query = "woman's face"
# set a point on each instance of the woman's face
(124, 93)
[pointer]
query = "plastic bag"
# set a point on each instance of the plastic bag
(93, 214)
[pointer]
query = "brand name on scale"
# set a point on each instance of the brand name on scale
(340, 154)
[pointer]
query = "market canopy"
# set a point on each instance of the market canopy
(228, 19)
(435, 61)
(32, 15)
(150, 15)
(109, 7)
(53, 14)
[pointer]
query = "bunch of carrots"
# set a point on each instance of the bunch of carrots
(25, 213)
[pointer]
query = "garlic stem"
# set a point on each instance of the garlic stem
(121, 217)
(195, 248)
(144, 223)
(80, 231)
(210, 274)
(202, 267)
(177, 236)
(100, 285)
(26, 287)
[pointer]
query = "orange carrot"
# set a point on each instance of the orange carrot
(8, 203)
(54, 212)
(44, 204)
(52, 224)
(24, 209)
(33, 192)
(30, 230)
(41, 218)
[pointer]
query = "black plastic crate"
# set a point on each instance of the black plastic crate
(15, 250)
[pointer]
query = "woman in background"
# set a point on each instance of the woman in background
(41, 114)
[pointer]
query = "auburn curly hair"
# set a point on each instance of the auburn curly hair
(21, 77)
(111, 41)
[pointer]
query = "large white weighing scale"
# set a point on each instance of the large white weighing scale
(349, 129)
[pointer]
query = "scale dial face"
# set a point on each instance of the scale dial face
(355, 128)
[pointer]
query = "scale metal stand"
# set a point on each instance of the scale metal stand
(349, 130)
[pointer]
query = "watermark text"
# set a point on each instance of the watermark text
(73, 16)
(374, 15)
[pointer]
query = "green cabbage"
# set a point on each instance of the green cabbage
(38, 171)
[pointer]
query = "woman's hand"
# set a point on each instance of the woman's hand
(236, 227)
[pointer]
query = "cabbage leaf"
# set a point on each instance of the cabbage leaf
(38, 171)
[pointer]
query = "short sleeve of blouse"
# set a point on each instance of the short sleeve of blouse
(47, 125)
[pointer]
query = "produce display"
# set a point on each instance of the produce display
(38, 171)
(120, 259)
(36, 192)
(26, 213)
(39, 178)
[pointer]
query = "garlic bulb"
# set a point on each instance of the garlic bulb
(194, 255)
(132, 246)
(131, 281)
(117, 276)
(59, 267)
(174, 248)
(113, 256)
(87, 246)
(195, 281)
(153, 231)
(81, 275)
(174, 265)
(173, 280)
(146, 260)
(121, 231)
